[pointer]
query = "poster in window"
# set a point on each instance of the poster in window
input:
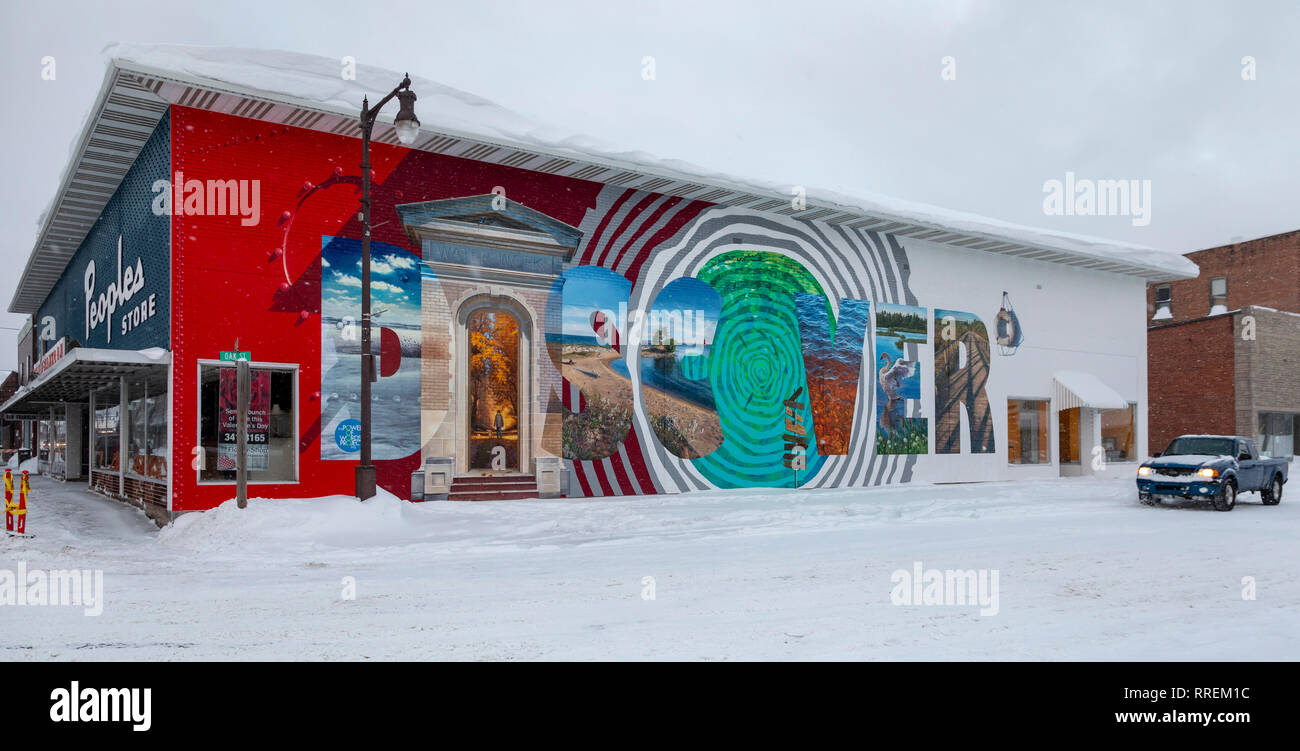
(259, 415)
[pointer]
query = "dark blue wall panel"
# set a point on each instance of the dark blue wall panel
(146, 245)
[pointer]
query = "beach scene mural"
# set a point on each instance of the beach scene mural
(900, 329)
(589, 344)
(674, 368)
(961, 372)
(395, 338)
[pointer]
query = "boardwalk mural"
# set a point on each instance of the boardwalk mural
(961, 372)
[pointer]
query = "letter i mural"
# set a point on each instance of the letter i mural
(900, 429)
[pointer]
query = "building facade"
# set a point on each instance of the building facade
(544, 322)
(1224, 347)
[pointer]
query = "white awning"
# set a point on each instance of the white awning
(1078, 389)
(82, 370)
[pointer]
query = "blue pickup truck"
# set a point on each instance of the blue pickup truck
(1212, 467)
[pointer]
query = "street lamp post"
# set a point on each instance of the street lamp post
(407, 126)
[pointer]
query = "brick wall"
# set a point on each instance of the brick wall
(1259, 272)
(1191, 371)
(1268, 366)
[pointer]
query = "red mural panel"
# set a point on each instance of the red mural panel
(256, 287)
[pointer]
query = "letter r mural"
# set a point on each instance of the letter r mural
(961, 374)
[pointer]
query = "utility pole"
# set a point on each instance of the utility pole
(243, 386)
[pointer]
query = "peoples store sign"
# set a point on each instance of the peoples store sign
(124, 296)
(110, 297)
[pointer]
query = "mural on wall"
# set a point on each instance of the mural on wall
(777, 336)
(755, 366)
(899, 428)
(395, 338)
(961, 373)
(657, 240)
(591, 359)
(832, 355)
(676, 390)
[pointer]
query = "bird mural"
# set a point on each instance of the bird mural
(892, 375)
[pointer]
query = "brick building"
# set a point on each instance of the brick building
(1230, 336)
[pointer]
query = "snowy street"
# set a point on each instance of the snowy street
(1085, 572)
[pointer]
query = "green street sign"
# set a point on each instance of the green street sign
(236, 356)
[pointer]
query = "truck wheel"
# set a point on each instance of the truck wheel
(1226, 500)
(1148, 500)
(1272, 496)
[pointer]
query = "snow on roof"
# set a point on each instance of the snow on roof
(318, 81)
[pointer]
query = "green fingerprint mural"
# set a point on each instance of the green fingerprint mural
(755, 365)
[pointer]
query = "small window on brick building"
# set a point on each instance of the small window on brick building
(1164, 302)
(1218, 295)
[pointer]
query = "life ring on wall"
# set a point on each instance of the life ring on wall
(1009, 334)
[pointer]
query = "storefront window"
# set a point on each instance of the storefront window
(1026, 431)
(1279, 434)
(156, 467)
(1118, 433)
(1068, 438)
(59, 447)
(272, 443)
(108, 417)
(136, 434)
(43, 441)
(146, 434)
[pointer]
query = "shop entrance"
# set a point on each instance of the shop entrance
(495, 394)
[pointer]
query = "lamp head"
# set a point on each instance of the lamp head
(406, 123)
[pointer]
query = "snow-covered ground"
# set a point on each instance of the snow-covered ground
(1084, 572)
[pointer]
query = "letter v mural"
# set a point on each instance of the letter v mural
(832, 355)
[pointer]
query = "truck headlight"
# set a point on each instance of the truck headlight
(1207, 472)
(1144, 471)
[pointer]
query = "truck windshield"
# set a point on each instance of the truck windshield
(1202, 446)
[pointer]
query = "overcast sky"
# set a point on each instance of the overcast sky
(847, 96)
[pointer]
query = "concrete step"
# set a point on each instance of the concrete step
(491, 495)
(492, 488)
(493, 478)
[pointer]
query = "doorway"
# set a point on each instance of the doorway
(494, 390)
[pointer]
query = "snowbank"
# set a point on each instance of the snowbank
(315, 82)
(334, 521)
(340, 525)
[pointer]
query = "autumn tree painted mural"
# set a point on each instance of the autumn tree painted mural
(494, 390)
